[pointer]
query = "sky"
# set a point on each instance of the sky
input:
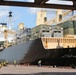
(24, 14)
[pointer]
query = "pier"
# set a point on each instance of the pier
(35, 70)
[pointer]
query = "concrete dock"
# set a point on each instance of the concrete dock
(34, 70)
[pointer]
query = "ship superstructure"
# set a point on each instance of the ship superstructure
(23, 34)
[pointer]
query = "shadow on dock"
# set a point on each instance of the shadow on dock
(46, 73)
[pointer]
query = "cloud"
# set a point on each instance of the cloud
(4, 11)
(35, 10)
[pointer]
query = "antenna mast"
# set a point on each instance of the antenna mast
(10, 20)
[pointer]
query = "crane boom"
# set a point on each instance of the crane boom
(66, 13)
(50, 22)
(53, 20)
(71, 18)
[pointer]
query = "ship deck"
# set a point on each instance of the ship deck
(35, 70)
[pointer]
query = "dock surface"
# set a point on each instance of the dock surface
(18, 69)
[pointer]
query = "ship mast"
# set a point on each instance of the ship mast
(10, 20)
(8, 31)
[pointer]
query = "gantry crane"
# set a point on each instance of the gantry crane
(54, 20)
(6, 32)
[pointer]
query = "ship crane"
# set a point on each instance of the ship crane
(53, 20)
(70, 18)
(6, 37)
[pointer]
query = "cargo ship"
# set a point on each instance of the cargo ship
(50, 44)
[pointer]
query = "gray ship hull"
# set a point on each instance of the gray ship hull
(32, 51)
(25, 52)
